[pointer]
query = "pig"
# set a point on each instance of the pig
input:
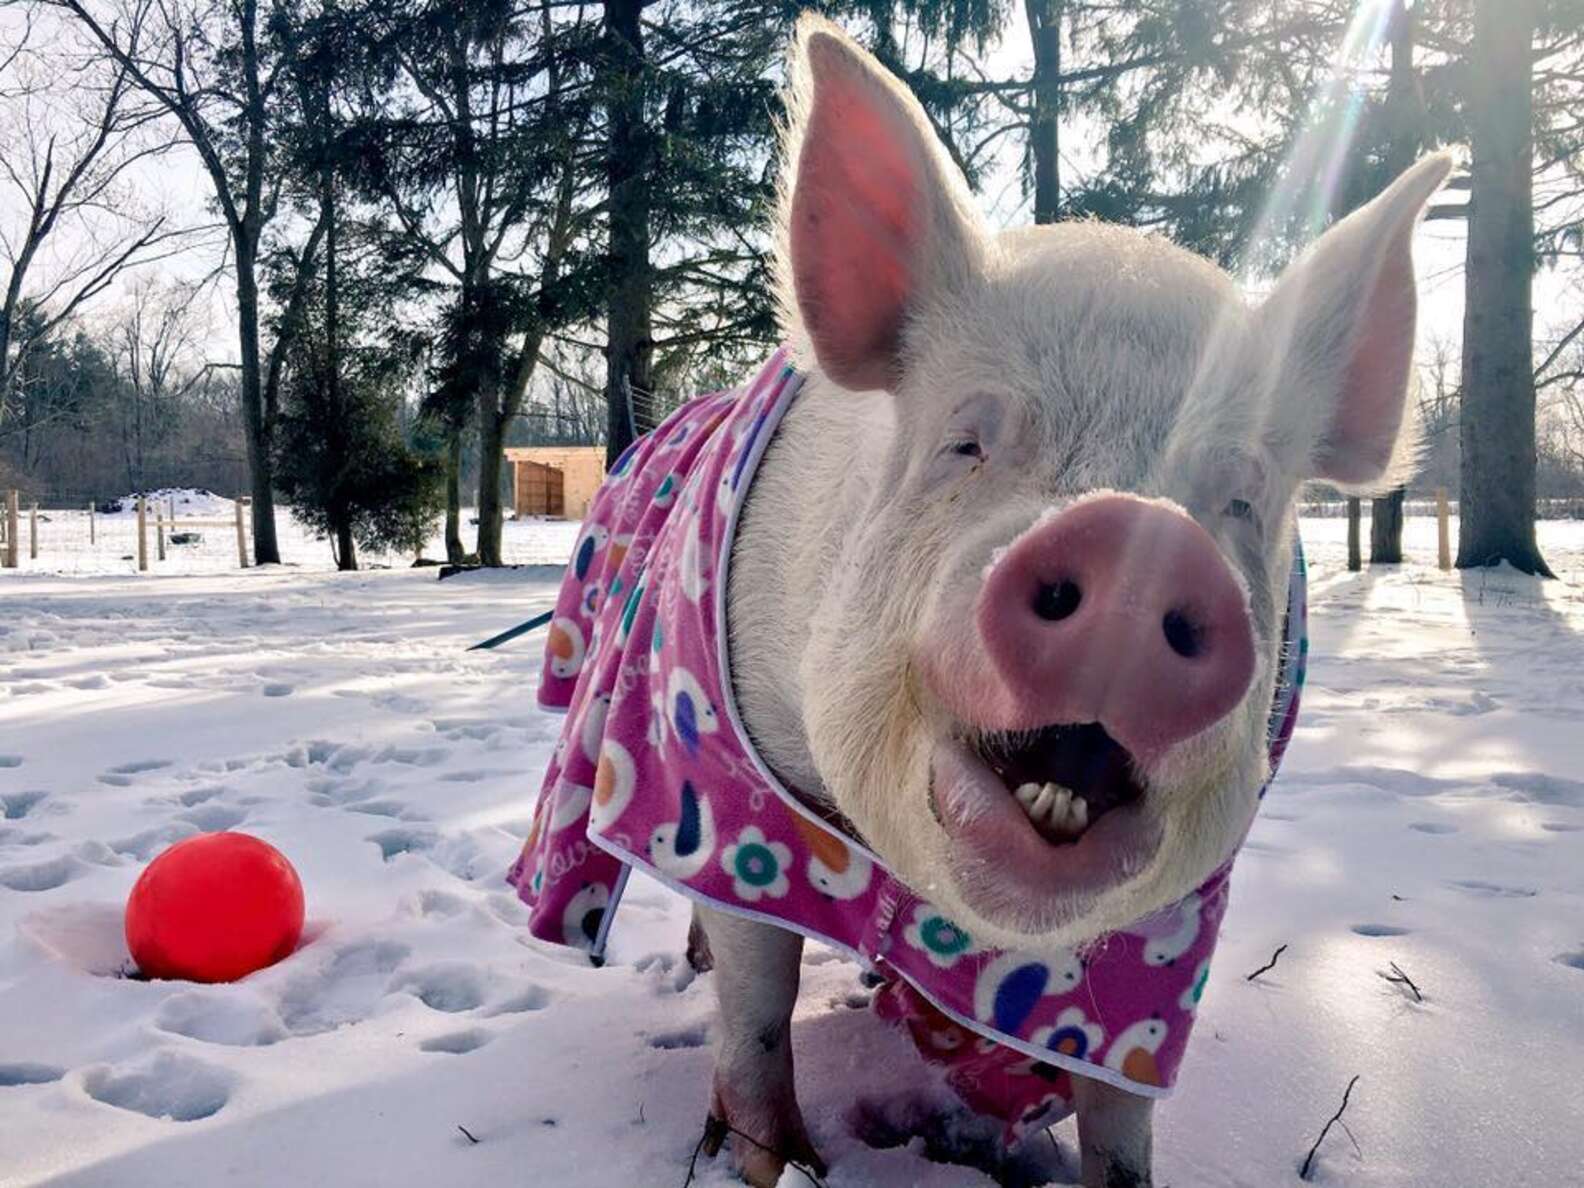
(991, 565)
(1056, 470)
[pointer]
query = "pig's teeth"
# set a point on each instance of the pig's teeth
(1056, 811)
(1040, 810)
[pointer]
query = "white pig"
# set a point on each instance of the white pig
(1055, 470)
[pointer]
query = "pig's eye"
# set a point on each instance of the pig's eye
(965, 449)
(1239, 509)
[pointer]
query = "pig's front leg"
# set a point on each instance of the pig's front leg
(756, 982)
(1113, 1135)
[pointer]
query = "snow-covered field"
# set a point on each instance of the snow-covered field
(1430, 813)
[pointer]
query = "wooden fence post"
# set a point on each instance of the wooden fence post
(142, 521)
(1355, 558)
(172, 516)
(12, 529)
(33, 531)
(92, 538)
(159, 531)
(1443, 531)
(241, 532)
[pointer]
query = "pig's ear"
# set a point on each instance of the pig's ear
(876, 223)
(1340, 329)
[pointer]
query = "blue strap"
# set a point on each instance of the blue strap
(521, 629)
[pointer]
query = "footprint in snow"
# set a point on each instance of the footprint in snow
(450, 986)
(26, 1073)
(149, 842)
(395, 842)
(10, 760)
(1541, 788)
(681, 1038)
(122, 775)
(1571, 960)
(197, 796)
(1435, 828)
(1493, 890)
(1380, 930)
(19, 804)
(530, 998)
(213, 818)
(40, 876)
(233, 1017)
(277, 689)
(457, 1042)
(345, 990)
(168, 1085)
(1560, 827)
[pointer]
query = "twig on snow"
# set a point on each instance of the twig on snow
(1303, 1172)
(468, 1134)
(715, 1132)
(1269, 965)
(1398, 978)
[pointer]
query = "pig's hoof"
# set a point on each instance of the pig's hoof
(698, 948)
(760, 1159)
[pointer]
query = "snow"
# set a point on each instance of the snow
(1430, 814)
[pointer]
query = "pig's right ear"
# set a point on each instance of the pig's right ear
(876, 223)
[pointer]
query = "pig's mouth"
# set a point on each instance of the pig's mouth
(1065, 778)
(1041, 821)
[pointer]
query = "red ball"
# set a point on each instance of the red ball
(214, 908)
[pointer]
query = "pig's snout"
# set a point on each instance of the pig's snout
(1118, 611)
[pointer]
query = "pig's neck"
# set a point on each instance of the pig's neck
(813, 482)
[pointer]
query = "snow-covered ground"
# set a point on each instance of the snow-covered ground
(69, 544)
(1430, 813)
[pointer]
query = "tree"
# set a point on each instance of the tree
(476, 153)
(1496, 503)
(341, 455)
(155, 345)
(208, 67)
(690, 125)
(1404, 127)
(67, 141)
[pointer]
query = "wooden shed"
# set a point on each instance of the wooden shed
(557, 481)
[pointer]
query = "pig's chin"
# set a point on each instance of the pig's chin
(1042, 824)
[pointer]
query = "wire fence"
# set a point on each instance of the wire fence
(201, 536)
(1564, 508)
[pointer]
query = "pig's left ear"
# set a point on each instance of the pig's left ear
(876, 223)
(1340, 329)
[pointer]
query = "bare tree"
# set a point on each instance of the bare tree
(155, 345)
(69, 134)
(209, 66)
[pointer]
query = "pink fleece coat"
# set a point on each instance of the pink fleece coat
(654, 770)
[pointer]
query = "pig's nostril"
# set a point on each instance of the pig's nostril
(1183, 635)
(1055, 601)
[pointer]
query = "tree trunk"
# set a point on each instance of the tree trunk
(257, 428)
(1406, 115)
(492, 431)
(455, 553)
(1496, 504)
(1354, 512)
(1045, 22)
(346, 550)
(629, 343)
(1386, 529)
